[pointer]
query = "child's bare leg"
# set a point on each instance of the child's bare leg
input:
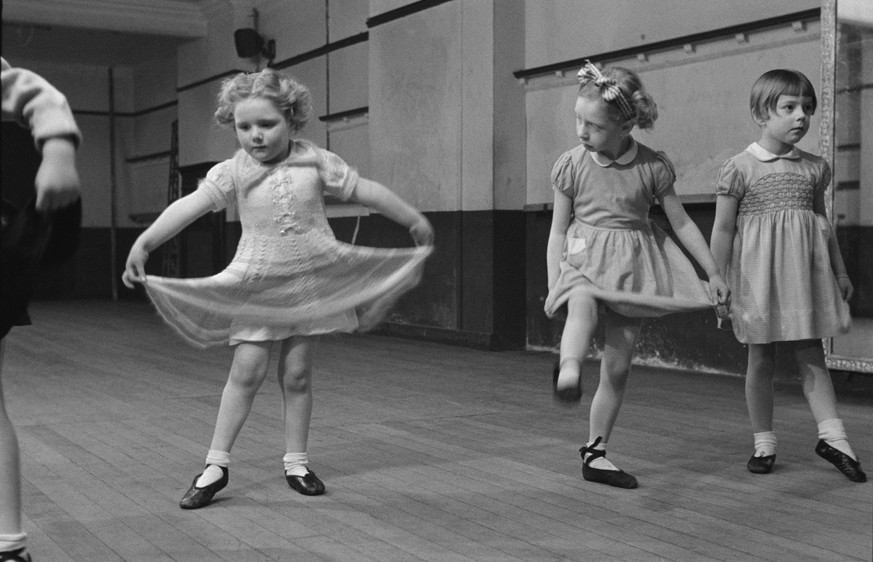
(295, 378)
(817, 385)
(760, 371)
(759, 386)
(247, 373)
(818, 388)
(576, 338)
(621, 337)
(11, 535)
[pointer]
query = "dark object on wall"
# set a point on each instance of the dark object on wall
(250, 43)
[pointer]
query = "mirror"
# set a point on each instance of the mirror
(847, 138)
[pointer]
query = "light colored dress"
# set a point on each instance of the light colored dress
(290, 276)
(783, 287)
(612, 251)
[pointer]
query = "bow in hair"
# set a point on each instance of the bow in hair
(609, 90)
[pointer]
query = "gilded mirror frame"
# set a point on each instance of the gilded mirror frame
(829, 43)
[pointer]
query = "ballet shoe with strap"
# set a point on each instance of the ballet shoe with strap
(195, 497)
(844, 463)
(616, 478)
(761, 465)
(19, 555)
(308, 485)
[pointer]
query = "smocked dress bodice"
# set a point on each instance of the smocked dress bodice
(783, 287)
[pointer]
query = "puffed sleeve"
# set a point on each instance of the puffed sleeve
(730, 181)
(563, 175)
(664, 175)
(34, 103)
(339, 178)
(219, 186)
(825, 178)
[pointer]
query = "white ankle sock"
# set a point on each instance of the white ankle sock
(765, 443)
(295, 464)
(834, 434)
(213, 473)
(13, 542)
(600, 463)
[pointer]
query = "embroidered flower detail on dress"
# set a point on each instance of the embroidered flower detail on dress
(284, 202)
(334, 169)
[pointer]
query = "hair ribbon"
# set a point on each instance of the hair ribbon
(609, 90)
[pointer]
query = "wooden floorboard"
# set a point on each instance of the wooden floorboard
(429, 452)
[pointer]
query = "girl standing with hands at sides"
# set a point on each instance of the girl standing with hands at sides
(290, 279)
(781, 258)
(606, 260)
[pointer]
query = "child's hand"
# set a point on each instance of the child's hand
(846, 288)
(422, 232)
(719, 291)
(57, 181)
(134, 270)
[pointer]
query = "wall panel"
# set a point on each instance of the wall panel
(559, 30)
(297, 27)
(352, 142)
(415, 106)
(349, 78)
(701, 122)
(347, 18)
(201, 139)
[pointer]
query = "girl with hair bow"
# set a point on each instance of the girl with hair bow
(606, 260)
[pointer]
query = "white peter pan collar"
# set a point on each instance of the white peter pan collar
(624, 159)
(765, 155)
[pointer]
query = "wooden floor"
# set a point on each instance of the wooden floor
(428, 452)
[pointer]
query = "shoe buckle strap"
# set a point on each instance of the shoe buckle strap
(590, 450)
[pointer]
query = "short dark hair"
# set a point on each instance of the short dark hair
(780, 82)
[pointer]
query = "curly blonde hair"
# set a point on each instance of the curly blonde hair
(644, 107)
(290, 96)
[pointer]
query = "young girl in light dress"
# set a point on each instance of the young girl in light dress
(783, 263)
(290, 279)
(606, 259)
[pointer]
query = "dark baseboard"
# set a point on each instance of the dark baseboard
(475, 340)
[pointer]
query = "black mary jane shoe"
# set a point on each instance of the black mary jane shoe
(309, 485)
(19, 555)
(761, 465)
(616, 478)
(567, 395)
(844, 463)
(195, 497)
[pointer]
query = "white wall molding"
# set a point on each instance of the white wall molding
(729, 45)
(154, 17)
